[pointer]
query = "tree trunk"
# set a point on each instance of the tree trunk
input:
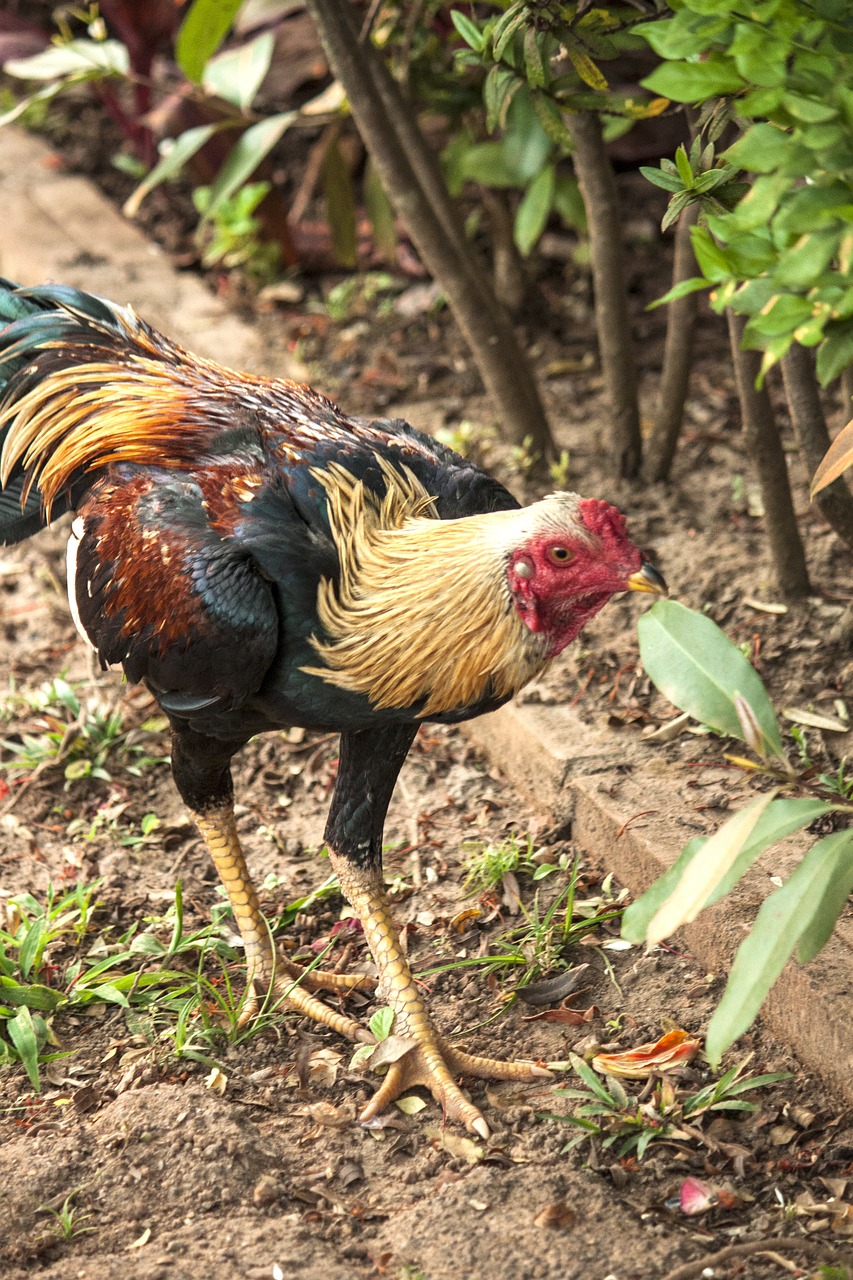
(798, 372)
(765, 448)
(410, 177)
(678, 355)
(618, 366)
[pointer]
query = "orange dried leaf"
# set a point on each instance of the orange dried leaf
(837, 458)
(671, 1051)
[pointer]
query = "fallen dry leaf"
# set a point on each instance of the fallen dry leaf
(671, 1051)
(555, 1217)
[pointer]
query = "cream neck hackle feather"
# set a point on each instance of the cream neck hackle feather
(422, 613)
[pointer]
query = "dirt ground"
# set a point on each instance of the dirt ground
(258, 1168)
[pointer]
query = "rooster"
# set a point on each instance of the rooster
(259, 560)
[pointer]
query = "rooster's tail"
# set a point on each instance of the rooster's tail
(85, 383)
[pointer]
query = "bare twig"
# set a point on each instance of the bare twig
(699, 1266)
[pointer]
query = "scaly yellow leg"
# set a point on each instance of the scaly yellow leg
(266, 971)
(431, 1062)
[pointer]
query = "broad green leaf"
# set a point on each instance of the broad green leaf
(801, 266)
(762, 149)
(182, 150)
(31, 994)
(695, 665)
(75, 57)
(22, 1032)
(245, 156)
(809, 110)
(635, 921)
(693, 81)
(658, 178)
(824, 911)
(489, 164)
(238, 74)
(468, 30)
(202, 31)
(532, 213)
(783, 919)
(780, 819)
(713, 261)
(704, 874)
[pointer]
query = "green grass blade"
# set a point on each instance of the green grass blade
(22, 1032)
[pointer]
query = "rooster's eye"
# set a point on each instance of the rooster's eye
(560, 555)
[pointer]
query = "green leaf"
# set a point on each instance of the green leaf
(810, 110)
(182, 150)
(468, 30)
(499, 88)
(568, 202)
(635, 921)
(534, 63)
(783, 919)
(764, 148)
(835, 354)
(24, 1036)
(780, 819)
(825, 910)
(713, 261)
(381, 213)
(682, 164)
(659, 178)
(245, 156)
(801, 266)
(680, 290)
(201, 33)
(382, 1023)
(31, 994)
(695, 665)
(693, 81)
(73, 58)
(340, 206)
(703, 875)
(532, 213)
(488, 164)
(238, 74)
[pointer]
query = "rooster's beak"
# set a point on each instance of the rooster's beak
(648, 579)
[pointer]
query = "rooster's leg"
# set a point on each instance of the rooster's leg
(201, 769)
(430, 1061)
(370, 761)
(266, 971)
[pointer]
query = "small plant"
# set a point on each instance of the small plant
(487, 864)
(697, 668)
(608, 1113)
(69, 1218)
(229, 234)
(79, 736)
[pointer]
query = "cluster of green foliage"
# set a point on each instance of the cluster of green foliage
(535, 63)
(700, 671)
(778, 248)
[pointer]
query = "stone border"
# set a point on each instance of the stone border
(57, 227)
